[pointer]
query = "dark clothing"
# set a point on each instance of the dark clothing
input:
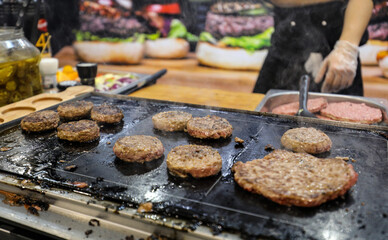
(298, 32)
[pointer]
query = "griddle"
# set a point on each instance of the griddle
(217, 201)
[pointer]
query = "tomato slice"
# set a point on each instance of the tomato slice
(172, 8)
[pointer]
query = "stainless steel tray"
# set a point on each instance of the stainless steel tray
(141, 79)
(275, 97)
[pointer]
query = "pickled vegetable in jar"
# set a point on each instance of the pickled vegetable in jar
(19, 67)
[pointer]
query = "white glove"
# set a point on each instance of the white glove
(340, 67)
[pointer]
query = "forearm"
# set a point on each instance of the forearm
(357, 16)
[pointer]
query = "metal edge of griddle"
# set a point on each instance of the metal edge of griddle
(77, 206)
(285, 94)
(292, 118)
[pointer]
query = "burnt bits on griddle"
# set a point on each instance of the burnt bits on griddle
(106, 113)
(309, 140)
(75, 110)
(209, 127)
(171, 120)
(195, 160)
(40, 121)
(297, 179)
(79, 131)
(138, 148)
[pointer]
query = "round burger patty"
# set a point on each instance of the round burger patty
(138, 148)
(297, 179)
(79, 131)
(75, 110)
(40, 121)
(313, 105)
(309, 140)
(352, 112)
(211, 126)
(107, 114)
(198, 161)
(171, 120)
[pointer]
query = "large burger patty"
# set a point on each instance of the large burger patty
(107, 114)
(211, 126)
(75, 110)
(297, 179)
(40, 121)
(195, 160)
(309, 140)
(171, 120)
(352, 112)
(79, 131)
(138, 148)
(313, 105)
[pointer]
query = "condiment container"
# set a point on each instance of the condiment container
(19, 67)
(48, 68)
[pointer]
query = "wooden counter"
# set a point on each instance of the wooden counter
(187, 72)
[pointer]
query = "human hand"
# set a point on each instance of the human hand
(339, 66)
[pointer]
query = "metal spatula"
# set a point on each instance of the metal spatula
(304, 84)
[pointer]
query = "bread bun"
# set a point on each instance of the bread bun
(168, 48)
(103, 52)
(229, 58)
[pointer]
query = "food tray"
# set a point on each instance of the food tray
(140, 81)
(275, 97)
(217, 201)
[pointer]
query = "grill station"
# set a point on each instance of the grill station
(198, 207)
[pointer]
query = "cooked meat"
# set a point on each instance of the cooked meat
(297, 179)
(79, 131)
(211, 126)
(40, 121)
(107, 114)
(75, 110)
(238, 140)
(352, 112)
(171, 121)
(309, 140)
(198, 161)
(138, 148)
(313, 105)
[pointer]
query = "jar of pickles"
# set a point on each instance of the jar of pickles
(19, 66)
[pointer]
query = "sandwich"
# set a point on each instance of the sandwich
(237, 35)
(109, 33)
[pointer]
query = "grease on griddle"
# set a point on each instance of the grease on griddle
(94, 222)
(145, 207)
(88, 232)
(269, 148)
(33, 206)
(70, 168)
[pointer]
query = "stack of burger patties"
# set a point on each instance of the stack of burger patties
(237, 35)
(109, 32)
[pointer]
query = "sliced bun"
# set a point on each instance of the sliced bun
(102, 52)
(229, 58)
(168, 48)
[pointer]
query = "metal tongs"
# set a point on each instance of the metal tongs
(304, 84)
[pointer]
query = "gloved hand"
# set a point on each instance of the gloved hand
(340, 67)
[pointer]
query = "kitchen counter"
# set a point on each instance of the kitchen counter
(187, 72)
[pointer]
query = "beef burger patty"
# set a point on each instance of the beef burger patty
(297, 179)
(79, 131)
(171, 121)
(313, 105)
(138, 148)
(211, 126)
(195, 160)
(309, 140)
(352, 112)
(40, 121)
(107, 114)
(75, 110)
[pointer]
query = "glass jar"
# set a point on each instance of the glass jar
(19, 67)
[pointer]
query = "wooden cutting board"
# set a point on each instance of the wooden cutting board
(38, 102)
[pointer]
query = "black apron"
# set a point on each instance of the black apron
(300, 31)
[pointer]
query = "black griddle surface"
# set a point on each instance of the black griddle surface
(360, 214)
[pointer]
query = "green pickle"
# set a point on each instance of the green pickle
(19, 80)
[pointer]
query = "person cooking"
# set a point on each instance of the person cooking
(319, 38)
